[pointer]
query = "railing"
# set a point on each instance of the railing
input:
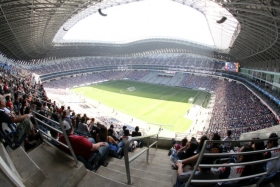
(43, 134)
(126, 147)
(10, 174)
(223, 155)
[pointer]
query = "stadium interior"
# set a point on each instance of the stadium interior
(176, 111)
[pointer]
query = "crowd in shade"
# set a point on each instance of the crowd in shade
(95, 77)
(179, 60)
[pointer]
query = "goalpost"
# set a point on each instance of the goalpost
(191, 100)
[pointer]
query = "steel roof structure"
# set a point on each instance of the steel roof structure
(28, 29)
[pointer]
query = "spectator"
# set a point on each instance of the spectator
(201, 174)
(8, 124)
(6, 88)
(226, 146)
(127, 137)
(214, 147)
(60, 110)
(137, 133)
(185, 152)
(258, 168)
(86, 118)
(114, 132)
(85, 147)
(121, 133)
(202, 140)
(115, 148)
(78, 118)
(83, 127)
(24, 105)
(242, 170)
(272, 143)
(9, 103)
(110, 133)
(177, 146)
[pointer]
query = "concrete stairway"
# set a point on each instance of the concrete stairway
(156, 172)
(48, 166)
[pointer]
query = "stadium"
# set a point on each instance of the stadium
(170, 70)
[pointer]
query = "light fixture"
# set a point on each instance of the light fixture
(222, 20)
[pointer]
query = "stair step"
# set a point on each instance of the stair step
(144, 172)
(152, 152)
(96, 180)
(30, 173)
(59, 168)
(136, 180)
(152, 156)
(145, 167)
(156, 164)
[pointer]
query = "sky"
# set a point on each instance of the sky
(143, 20)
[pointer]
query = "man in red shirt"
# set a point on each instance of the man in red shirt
(9, 103)
(85, 147)
(60, 110)
(6, 88)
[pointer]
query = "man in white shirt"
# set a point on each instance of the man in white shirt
(227, 145)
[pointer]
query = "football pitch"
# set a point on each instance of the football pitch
(155, 104)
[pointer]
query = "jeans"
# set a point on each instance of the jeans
(103, 152)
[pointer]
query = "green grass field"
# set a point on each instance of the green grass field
(152, 103)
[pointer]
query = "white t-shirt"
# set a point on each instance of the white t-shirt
(227, 138)
(235, 171)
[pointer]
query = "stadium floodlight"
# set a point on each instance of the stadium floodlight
(222, 20)
(101, 13)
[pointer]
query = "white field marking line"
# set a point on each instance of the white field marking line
(158, 103)
(196, 95)
(184, 108)
(162, 100)
(135, 105)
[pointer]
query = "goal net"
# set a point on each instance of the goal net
(131, 89)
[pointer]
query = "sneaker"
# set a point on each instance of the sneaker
(28, 146)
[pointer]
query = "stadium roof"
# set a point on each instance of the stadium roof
(33, 29)
(152, 19)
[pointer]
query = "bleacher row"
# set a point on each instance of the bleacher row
(179, 60)
(95, 77)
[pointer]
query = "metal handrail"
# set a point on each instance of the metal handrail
(128, 160)
(202, 154)
(63, 132)
(10, 174)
